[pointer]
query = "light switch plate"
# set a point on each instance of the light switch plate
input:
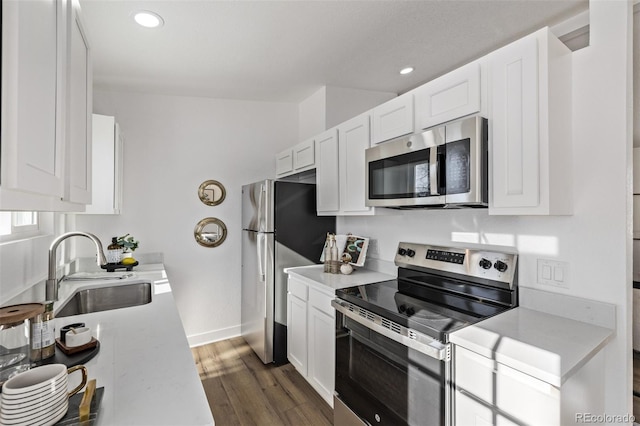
(553, 272)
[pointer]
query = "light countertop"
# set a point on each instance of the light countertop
(545, 346)
(144, 363)
(315, 275)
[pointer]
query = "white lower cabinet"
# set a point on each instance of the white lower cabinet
(490, 393)
(311, 335)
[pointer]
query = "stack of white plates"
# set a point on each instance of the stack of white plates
(36, 397)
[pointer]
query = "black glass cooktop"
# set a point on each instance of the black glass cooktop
(427, 310)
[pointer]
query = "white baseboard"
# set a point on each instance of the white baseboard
(213, 336)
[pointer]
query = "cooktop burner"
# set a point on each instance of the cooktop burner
(440, 290)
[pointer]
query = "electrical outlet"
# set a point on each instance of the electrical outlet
(553, 272)
(373, 247)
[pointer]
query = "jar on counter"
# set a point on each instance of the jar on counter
(16, 338)
(43, 341)
(114, 251)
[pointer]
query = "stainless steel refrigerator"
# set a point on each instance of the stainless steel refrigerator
(280, 229)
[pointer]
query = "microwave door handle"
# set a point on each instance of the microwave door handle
(434, 171)
(442, 179)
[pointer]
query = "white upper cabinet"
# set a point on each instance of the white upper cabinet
(452, 96)
(393, 118)
(530, 131)
(31, 143)
(353, 139)
(340, 168)
(284, 163)
(79, 109)
(107, 166)
(327, 173)
(298, 159)
(46, 103)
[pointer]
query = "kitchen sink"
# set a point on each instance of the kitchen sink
(106, 298)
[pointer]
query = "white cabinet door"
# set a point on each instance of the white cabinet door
(327, 173)
(79, 110)
(501, 391)
(530, 142)
(452, 96)
(515, 140)
(297, 333)
(353, 138)
(321, 355)
(393, 118)
(284, 163)
(107, 153)
(303, 156)
(297, 342)
(31, 142)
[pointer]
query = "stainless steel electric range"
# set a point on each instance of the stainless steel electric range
(393, 356)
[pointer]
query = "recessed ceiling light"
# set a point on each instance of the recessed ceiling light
(407, 70)
(148, 19)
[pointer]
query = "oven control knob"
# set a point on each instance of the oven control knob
(501, 266)
(485, 263)
(410, 311)
(410, 253)
(402, 308)
(402, 251)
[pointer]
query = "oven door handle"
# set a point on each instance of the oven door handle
(405, 336)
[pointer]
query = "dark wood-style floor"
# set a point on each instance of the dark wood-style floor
(243, 391)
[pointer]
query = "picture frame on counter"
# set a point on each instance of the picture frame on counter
(350, 246)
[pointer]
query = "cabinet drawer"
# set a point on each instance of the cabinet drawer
(297, 288)
(322, 302)
(515, 394)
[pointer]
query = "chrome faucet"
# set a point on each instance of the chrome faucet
(51, 289)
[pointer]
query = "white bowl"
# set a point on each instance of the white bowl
(78, 337)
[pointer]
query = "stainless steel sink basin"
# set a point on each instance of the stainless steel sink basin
(106, 298)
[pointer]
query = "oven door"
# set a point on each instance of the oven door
(466, 164)
(385, 382)
(407, 171)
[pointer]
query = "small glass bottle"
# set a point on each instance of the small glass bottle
(48, 331)
(327, 255)
(333, 255)
(114, 251)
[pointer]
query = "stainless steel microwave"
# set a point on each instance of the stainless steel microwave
(446, 166)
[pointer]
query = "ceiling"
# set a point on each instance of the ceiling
(285, 50)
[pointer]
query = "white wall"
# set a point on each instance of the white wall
(330, 106)
(596, 240)
(172, 144)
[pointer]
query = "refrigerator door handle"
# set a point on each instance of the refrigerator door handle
(262, 219)
(261, 257)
